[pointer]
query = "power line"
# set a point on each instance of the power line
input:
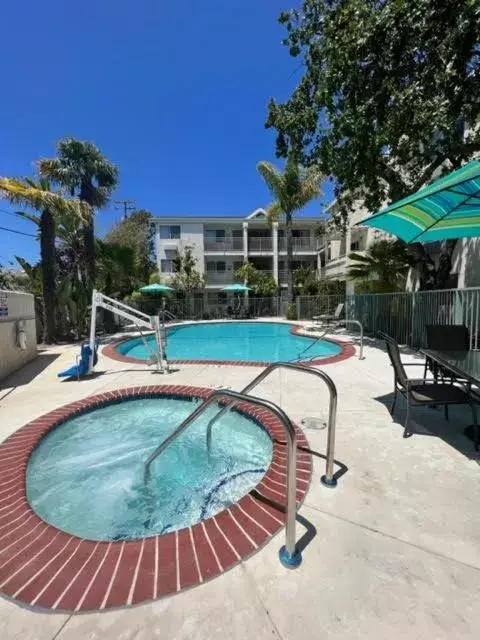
(126, 205)
(20, 233)
(9, 213)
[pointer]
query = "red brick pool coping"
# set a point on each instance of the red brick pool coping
(42, 566)
(347, 351)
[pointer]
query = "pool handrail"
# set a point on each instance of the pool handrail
(328, 480)
(330, 329)
(290, 556)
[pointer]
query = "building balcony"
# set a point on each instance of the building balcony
(260, 245)
(221, 246)
(298, 244)
(220, 278)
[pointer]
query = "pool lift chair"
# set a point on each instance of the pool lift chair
(141, 321)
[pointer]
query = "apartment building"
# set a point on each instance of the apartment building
(335, 246)
(222, 244)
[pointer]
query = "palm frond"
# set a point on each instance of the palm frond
(358, 257)
(295, 187)
(33, 217)
(274, 210)
(273, 178)
(22, 193)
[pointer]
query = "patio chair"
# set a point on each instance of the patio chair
(447, 337)
(423, 391)
(327, 318)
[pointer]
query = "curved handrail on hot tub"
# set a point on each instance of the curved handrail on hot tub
(290, 556)
(328, 480)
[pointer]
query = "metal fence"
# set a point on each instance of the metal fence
(212, 306)
(403, 316)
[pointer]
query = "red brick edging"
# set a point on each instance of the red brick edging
(347, 351)
(45, 567)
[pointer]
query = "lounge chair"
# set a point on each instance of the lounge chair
(327, 318)
(423, 391)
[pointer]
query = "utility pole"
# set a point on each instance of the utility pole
(126, 205)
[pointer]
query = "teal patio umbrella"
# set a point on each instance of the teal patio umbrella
(236, 288)
(448, 208)
(156, 288)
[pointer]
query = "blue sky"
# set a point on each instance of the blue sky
(174, 93)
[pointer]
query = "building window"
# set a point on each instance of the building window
(300, 233)
(169, 232)
(215, 235)
(166, 266)
(355, 246)
(216, 266)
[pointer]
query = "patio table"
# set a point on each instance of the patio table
(463, 364)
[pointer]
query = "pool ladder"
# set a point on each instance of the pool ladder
(289, 555)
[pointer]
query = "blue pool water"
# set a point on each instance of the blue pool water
(245, 341)
(86, 476)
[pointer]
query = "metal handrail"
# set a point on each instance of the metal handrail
(327, 479)
(290, 556)
(359, 324)
(332, 327)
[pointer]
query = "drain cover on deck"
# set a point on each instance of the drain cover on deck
(313, 423)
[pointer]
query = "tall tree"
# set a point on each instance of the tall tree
(292, 189)
(82, 169)
(383, 268)
(388, 96)
(136, 233)
(49, 204)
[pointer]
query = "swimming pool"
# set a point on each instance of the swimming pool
(86, 476)
(243, 342)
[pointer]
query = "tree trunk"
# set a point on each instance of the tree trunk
(48, 257)
(289, 243)
(89, 240)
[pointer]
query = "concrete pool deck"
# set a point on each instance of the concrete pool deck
(393, 551)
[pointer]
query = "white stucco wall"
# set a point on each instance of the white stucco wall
(19, 307)
(466, 262)
(191, 235)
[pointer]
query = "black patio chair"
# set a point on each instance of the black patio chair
(423, 391)
(447, 337)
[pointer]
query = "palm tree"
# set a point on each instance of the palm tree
(84, 171)
(292, 190)
(38, 195)
(383, 268)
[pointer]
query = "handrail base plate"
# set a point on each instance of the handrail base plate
(328, 483)
(290, 561)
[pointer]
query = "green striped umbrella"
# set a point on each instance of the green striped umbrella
(156, 288)
(448, 208)
(236, 288)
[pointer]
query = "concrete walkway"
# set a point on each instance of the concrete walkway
(394, 550)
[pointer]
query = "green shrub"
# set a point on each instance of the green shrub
(291, 312)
